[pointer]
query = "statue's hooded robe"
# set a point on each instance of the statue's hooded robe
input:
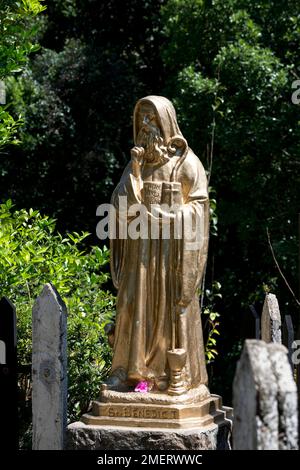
(143, 270)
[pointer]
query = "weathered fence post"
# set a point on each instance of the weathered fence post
(271, 320)
(49, 370)
(264, 399)
(8, 374)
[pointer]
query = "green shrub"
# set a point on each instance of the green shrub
(18, 29)
(32, 254)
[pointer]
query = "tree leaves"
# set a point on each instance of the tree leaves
(16, 35)
(33, 254)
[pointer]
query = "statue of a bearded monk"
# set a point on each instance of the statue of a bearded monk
(158, 277)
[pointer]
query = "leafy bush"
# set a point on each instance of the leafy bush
(17, 33)
(17, 37)
(32, 254)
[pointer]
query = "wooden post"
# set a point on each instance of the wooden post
(49, 371)
(8, 374)
(271, 320)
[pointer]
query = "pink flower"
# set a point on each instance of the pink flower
(143, 387)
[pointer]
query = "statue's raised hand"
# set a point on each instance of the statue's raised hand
(137, 154)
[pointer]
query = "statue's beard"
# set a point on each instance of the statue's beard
(155, 150)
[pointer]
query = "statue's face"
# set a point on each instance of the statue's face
(149, 134)
(147, 120)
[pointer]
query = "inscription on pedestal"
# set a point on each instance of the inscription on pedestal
(137, 412)
(201, 414)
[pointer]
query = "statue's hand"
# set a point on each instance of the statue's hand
(137, 154)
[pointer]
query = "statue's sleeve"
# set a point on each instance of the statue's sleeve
(128, 189)
(191, 250)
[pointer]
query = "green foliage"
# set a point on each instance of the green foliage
(33, 254)
(200, 93)
(77, 98)
(203, 27)
(230, 65)
(17, 32)
(8, 128)
(213, 212)
(211, 322)
(35, 101)
(242, 58)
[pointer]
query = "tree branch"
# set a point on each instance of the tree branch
(279, 270)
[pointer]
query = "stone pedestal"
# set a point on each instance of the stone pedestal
(134, 421)
(195, 409)
(92, 437)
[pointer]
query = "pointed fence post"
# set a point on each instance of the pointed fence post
(264, 399)
(8, 374)
(271, 320)
(49, 371)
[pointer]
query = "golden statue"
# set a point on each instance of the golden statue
(157, 278)
(158, 343)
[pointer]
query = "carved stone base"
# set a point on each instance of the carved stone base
(154, 420)
(197, 408)
(86, 437)
(153, 414)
